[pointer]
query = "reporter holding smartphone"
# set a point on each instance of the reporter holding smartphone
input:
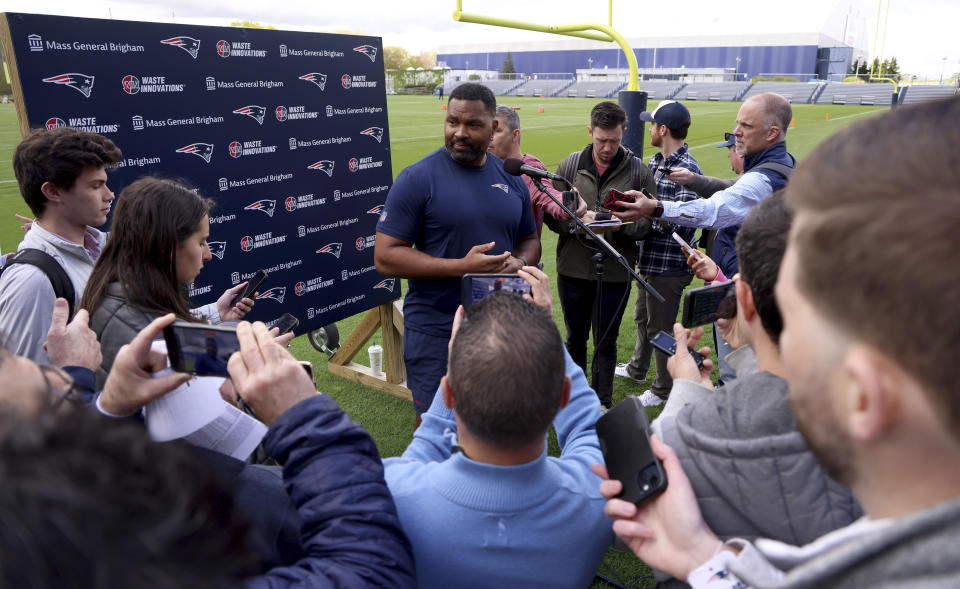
(156, 248)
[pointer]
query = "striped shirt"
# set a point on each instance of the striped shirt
(660, 252)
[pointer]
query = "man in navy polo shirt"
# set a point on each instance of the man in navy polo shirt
(454, 212)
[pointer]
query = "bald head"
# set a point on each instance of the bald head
(761, 122)
(776, 111)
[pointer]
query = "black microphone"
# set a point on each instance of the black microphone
(516, 167)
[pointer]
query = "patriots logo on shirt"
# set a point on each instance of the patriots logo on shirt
(253, 111)
(276, 293)
(217, 248)
(386, 284)
(375, 132)
(376, 210)
(318, 79)
(368, 50)
(82, 83)
(188, 44)
(325, 166)
(203, 150)
(265, 206)
(331, 248)
(502, 187)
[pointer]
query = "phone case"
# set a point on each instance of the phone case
(625, 443)
(708, 303)
(614, 198)
(255, 282)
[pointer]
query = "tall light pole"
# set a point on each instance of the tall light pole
(943, 65)
(737, 71)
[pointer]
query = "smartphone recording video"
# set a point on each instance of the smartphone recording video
(474, 287)
(709, 303)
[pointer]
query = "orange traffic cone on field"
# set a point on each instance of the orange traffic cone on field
(828, 117)
(443, 107)
(793, 123)
(541, 109)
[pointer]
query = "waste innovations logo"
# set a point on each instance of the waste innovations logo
(368, 50)
(82, 83)
(375, 132)
(363, 243)
(325, 166)
(301, 288)
(348, 81)
(248, 243)
(277, 293)
(264, 206)
(88, 124)
(294, 113)
(202, 150)
(319, 79)
(331, 248)
(248, 148)
(292, 203)
(188, 44)
(149, 85)
(364, 163)
(238, 49)
(253, 111)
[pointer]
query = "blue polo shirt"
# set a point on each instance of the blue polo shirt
(445, 208)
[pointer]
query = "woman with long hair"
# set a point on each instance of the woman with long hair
(156, 248)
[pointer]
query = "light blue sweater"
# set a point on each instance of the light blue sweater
(539, 524)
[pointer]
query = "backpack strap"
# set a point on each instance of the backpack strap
(637, 170)
(568, 166)
(782, 169)
(62, 286)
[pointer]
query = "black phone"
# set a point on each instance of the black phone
(285, 323)
(664, 342)
(252, 285)
(474, 287)
(200, 348)
(708, 303)
(665, 170)
(625, 442)
(614, 198)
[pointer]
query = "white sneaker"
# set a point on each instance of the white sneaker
(621, 371)
(649, 399)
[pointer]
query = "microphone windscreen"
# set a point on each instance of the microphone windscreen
(512, 166)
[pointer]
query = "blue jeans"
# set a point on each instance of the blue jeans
(425, 358)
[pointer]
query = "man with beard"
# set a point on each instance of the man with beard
(868, 351)
(452, 213)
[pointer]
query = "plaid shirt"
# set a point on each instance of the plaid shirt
(661, 254)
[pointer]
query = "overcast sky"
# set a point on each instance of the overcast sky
(920, 32)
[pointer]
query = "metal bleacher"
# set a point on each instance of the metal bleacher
(660, 90)
(501, 87)
(795, 92)
(539, 87)
(921, 93)
(838, 93)
(712, 91)
(594, 89)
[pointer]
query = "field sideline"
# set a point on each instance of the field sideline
(415, 130)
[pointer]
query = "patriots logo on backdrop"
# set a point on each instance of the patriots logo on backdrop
(502, 187)
(217, 248)
(265, 206)
(204, 150)
(276, 293)
(386, 283)
(55, 123)
(253, 111)
(375, 132)
(325, 166)
(82, 83)
(368, 50)
(331, 248)
(376, 210)
(188, 44)
(318, 79)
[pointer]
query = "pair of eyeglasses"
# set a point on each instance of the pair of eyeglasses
(60, 385)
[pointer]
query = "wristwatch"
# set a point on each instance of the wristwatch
(658, 210)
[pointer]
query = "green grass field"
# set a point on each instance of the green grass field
(415, 130)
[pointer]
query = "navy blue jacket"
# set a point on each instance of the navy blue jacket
(725, 248)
